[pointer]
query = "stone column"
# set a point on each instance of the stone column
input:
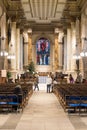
(29, 47)
(34, 54)
(18, 58)
(53, 63)
(84, 43)
(82, 40)
(83, 29)
(21, 52)
(56, 59)
(78, 42)
(3, 41)
(85, 68)
(73, 48)
(65, 53)
(60, 51)
(13, 45)
(25, 35)
(68, 49)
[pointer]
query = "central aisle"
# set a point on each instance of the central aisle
(44, 112)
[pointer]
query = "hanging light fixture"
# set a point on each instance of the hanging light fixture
(84, 51)
(3, 52)
(11, 55)
(76, 55)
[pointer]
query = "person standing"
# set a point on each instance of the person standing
(54, 82)
(79, 78)
(36, 84)
(49, 83)
(71, 79)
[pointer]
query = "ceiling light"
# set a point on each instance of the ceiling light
(84, 51)
(77, 55)
(3, 53)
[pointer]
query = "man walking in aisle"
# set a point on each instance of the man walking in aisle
(36, 84)
(49, 83)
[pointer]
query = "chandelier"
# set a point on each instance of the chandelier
(10, 54)
(3, 53)
(76, 55)
(84, 51)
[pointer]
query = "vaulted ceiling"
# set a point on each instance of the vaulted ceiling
(43, 15)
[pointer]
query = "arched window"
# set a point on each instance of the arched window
(43, 52)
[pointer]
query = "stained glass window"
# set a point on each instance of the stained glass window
(43, 51)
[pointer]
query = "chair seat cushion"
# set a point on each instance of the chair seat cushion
(3, 103)
(13, 103)
(74, 105)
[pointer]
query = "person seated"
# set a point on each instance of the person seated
(18, 90)
(10, 80)
(54, 81)
(79, 78)
(84, 81)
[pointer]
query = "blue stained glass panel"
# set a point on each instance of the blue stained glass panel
(43, 51)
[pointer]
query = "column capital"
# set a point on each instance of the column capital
(60, 37)
(25, 35)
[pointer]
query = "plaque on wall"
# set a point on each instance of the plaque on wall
(3, 73)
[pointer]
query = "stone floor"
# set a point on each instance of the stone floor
(43, 112)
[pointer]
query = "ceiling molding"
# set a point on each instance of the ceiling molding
(43, 14)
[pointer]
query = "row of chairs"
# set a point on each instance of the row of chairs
(11, 101)
(72, 97)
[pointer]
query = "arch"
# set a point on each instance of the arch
(47, 36)
(43, 51)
